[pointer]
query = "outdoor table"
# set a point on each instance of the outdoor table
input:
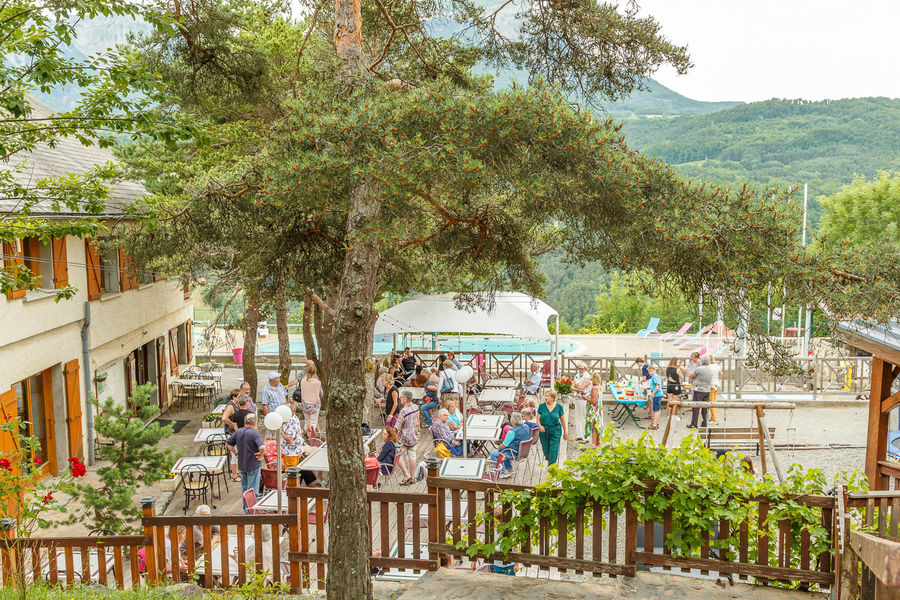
(215, 465)
(479, 437)
(395, 574)
(204, 382)
(502, 382)
(369, 440)
(495, 397)
(207, 432)
(626, 404)
(482, 421)
(417, 392)
(218, 410)
(462, 468)
(316, 461)
(269, 502)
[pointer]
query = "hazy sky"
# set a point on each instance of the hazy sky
(759, 49)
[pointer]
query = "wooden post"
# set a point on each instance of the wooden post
(433, 464)
(293, 481)
(876, 444)
(8, 533)
(148, 510)
(764, 432)
(672, 411)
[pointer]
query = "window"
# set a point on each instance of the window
(109, 270)
(34, 404)
(39, 260)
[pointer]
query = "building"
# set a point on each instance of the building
(119, 330)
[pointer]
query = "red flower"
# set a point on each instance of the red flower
(48, 498)
(4, 464)
(37, 460)
(77, 467)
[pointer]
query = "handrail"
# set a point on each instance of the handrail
(880, 555)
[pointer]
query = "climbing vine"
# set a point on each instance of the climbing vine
(698, 488)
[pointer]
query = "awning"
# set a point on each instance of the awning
(513, 314)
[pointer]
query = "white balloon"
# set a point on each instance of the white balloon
(285, 411)
(464, 374)
(273, 421)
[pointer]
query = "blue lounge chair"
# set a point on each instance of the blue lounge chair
(651, 328)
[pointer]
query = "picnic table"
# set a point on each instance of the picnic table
(462, 468)
(502, 382)
(215, 465)
(627, 398)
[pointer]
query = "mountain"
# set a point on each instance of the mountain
(658, 100)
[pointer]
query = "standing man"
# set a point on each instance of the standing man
(245, 389)
(247, 443)
(703, 378)
(408, 362)
(274, 394)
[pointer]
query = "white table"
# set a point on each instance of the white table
(204, 382)
(462, 468)
(370, 439)
(207, 432)
(395, 574)
(502, 382)
(482, 421)
(218, 410)
(213, 464)
(480, 434)
(316, 461)
(417, 392)
(269, 502)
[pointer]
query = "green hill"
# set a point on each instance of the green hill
(658, 100)
(778, 142)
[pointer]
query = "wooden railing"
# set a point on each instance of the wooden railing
(107, 560)
(870, 568)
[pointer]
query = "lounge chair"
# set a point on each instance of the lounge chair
(675, 334)
(651, 328)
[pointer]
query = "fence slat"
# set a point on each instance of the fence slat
(101, 563)
(223, 556)
(242, 554)
(579, 535)
(562, 537)
(597, 534)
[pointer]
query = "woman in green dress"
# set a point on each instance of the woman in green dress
(552, 425)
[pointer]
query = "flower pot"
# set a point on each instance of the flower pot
(238, 354)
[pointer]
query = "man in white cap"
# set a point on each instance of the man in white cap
(274, 394)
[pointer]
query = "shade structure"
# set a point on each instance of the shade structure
(513, 313)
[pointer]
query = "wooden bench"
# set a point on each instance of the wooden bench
(732, 438)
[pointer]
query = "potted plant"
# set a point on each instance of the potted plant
(563, 386)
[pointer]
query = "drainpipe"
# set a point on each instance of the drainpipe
(86, 359)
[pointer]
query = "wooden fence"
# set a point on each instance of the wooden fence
(870, 568)
(411, 531)
(821, 375)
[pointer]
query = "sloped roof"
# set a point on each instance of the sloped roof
(68, 156)
(513, 314)
(879, 339)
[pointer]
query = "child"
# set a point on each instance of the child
(656, 393)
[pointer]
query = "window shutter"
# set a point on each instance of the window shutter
(187, 290)
(173, 353)
(92, 262)
(189, 341)
(15, 251)
(60, 266)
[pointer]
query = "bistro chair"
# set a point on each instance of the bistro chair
(180, 395)
(215, 446)
(196, 483)
(270, 480)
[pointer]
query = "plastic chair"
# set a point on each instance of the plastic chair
(195, 482)
(675, 334)
(311, 517)
(250, 501)
(270, 479)
(315, 442)
(651, 328)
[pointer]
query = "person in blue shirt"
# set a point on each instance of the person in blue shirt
(509, 447)
(656, 392)
(533, 383)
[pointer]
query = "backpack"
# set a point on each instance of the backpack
(448, 386)
(442, 450)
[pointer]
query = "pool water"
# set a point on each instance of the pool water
(467, 344)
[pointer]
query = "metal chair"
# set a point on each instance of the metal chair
(270, 479)
(180, 395)
(215, 446)
(99, 532)
(195, 481)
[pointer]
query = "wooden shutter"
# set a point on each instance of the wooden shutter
(187, 290)
(60, 266)
(189, 341)
(92, 262)
(9, 446)
(16, 257)
(73, 409)
(128, 279)
(49, 422)
(161, 373)
(173, 353)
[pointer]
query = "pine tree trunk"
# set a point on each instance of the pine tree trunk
(251, 319)
(349, 535)
(284, 340)
(324, 324)
(308, 340)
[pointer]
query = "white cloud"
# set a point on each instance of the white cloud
(760, 49)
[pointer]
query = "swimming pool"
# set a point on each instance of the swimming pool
(464, 344)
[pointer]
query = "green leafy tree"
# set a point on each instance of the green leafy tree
(623, 306)
(118, 97)
(864, 212)
(133, 458)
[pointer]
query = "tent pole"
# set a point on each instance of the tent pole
(556, 349)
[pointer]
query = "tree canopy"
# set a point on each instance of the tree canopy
(864, 212)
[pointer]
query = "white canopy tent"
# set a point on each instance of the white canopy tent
(512, 313)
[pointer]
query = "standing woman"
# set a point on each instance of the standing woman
(595, 412)
(391, 400)
(311, 394)
(714, 387)
(674, 377)
(552, 426)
